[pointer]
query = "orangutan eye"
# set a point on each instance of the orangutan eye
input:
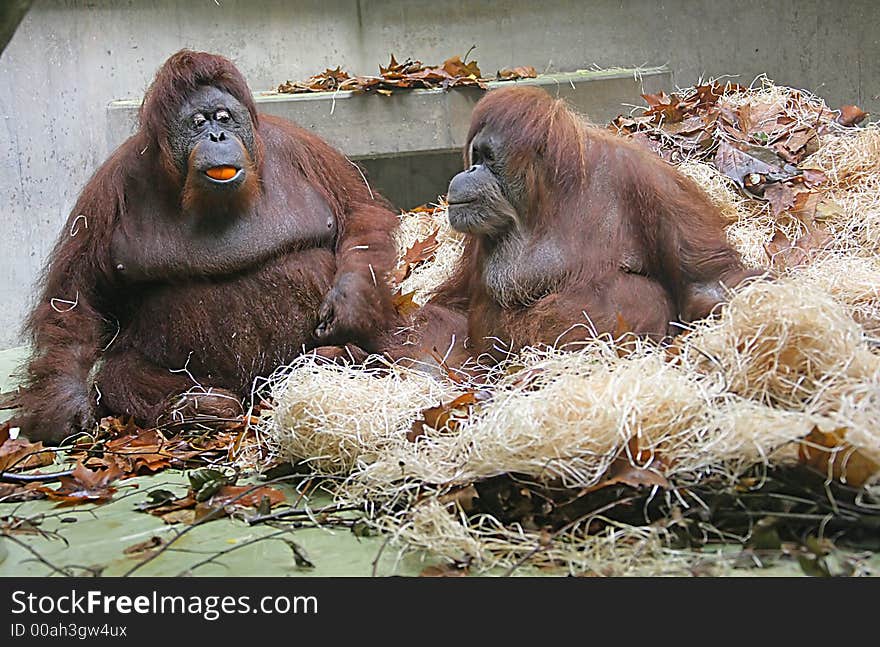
(222, 116)
(199, 120)
(482, 154)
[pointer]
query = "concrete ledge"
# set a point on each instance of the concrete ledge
(422, 121)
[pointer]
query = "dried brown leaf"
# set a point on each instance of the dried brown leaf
(185, 516)
(422, 250)
(688, 126)
(785, 255)
(635, 468)
(623, 335)
(668, 108)
(404, 304)
(462, 497)
(444, 570)
(851, 115)
(146, 451)
(186, 502)
(622, 327)
(804, 208)
(747, 169)
(143, 548)
(21, 454)
(829, 453)
(813, 176)
(85, 486)
(456, 67)
(781, 197)
(330, 80)
(797, 145)
(15, 493)
(245, 496)
(419, 252)
(799, 138)
(707, 95)
(827, 209)
(399, 274)
(444, 416)
(521, 72)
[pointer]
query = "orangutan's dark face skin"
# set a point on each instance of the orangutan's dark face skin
(481, 200)
(213, 140)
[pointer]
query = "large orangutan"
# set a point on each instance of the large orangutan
(573, 232)
(213, 246)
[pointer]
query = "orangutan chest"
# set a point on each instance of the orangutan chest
(519, 272)
(146, 247)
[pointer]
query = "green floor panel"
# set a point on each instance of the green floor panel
(96, 540)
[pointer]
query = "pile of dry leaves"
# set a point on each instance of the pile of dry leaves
(119, 450)
(410, 74)
(762, 140)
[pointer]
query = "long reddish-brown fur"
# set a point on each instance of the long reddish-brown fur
(151, 329)
(600, 198)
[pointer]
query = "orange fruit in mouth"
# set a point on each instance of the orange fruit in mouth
(221, 172)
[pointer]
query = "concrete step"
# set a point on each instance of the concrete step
(411, 122)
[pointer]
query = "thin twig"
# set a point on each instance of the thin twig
(379, 555)
(32, 478)
(284, 514)
(214, 513)
(226, 551)
(36, 555)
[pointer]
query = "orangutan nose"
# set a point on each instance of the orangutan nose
(218, 136)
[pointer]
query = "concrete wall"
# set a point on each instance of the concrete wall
(68, 60)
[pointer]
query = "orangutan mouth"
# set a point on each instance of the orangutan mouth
(223, 174)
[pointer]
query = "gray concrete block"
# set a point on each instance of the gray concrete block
(419, 121)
